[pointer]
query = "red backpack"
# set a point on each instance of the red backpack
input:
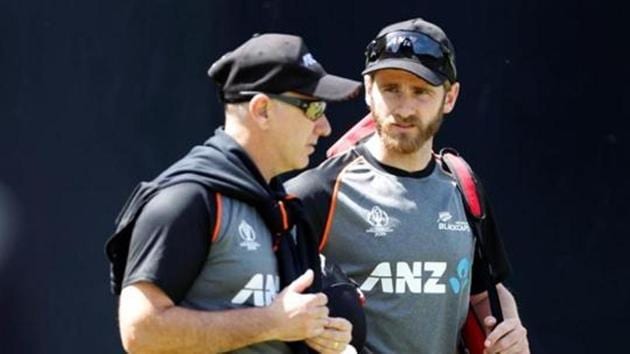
(473, 334)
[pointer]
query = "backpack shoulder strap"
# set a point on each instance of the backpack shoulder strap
(473, 197)
(466, 181)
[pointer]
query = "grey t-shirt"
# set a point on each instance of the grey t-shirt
(205, 253)
(404, 238)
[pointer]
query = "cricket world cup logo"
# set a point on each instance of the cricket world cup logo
(248, 236)
(379, 220)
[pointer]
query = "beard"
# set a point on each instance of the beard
(407, 142)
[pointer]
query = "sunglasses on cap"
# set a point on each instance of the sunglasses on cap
(413, 45)
(313, 109)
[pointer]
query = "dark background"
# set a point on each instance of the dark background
(98, 95)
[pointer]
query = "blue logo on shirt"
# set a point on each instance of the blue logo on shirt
(463, 274)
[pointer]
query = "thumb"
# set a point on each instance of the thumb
(304, 281)
(490, 322)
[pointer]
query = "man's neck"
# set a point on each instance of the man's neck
(410, 162)
(258, 156)
(261, 161)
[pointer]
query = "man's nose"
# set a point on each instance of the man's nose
(322, 126)
(405, 108)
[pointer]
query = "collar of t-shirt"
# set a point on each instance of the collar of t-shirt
(364, 151)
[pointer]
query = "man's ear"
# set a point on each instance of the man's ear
(451, 98)
(258, 109)
(367, 84)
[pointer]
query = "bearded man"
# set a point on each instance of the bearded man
(378, 208)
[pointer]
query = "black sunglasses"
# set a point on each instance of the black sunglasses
(413, 45)
(313, 109)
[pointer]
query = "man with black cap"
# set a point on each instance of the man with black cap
(212, 255)
(387, 213)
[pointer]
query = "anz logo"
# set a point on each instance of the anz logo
(261, 287)
(462, 278)
(417, 278)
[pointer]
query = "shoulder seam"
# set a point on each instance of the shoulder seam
(333, 204)
(218, 216)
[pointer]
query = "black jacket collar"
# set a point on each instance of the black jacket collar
(221, 165)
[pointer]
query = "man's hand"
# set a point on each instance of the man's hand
(335, 338)
(509, 337)
(298, 316)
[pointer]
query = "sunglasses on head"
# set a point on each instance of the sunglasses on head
(313, 109)
(413, 45)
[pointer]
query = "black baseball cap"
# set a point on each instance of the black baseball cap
(415, 45)
(276, 63)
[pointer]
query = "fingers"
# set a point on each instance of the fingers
(300, 315)
(522, 347)
(315, 329)
(335, 337)
(508, 337)
(313, 321)
(302, 282)
(501, 330)
(330, 341)
(325, 347)
(320, 312)
(315, 344)
(340, 324)
(320, 299)
(317, 315)
(489, 322)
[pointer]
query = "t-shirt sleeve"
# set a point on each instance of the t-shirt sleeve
(495, 252)
(171, 239)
